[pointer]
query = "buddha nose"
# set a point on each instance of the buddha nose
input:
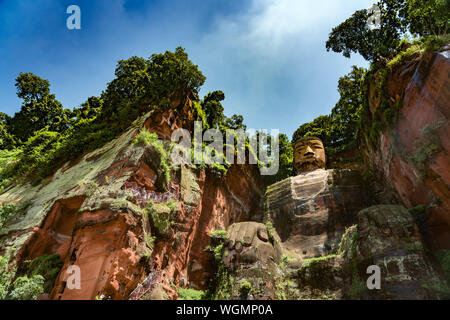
(309, 151)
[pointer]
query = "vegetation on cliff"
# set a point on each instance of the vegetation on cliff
(33, 279)
(43, 135)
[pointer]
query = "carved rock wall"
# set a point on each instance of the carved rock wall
(310, 211)
(411, 159)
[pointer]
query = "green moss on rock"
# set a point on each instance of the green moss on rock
(159, 215)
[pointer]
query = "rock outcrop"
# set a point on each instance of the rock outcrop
(385, 236)
(388, 237)
(114, 215)
(252, 254)
(410, 159)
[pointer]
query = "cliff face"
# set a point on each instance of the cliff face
(113, 215)
(410, 159)
(406, 164)
(385, 237)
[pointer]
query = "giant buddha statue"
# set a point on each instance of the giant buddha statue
(311, 210)
(309, 155)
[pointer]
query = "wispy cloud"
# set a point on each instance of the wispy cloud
(271, 25)
(272, 63)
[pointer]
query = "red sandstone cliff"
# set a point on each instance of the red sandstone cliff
(411, 158)
(99, 215)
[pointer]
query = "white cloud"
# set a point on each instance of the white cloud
(270, 25)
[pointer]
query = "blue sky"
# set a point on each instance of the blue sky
(268, 56)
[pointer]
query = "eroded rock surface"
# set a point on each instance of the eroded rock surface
(310, 211)
(252, 254)
(385, 236)
(388, 237)
(411, 159)
(115, 216)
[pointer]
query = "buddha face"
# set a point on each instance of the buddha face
(309, 155)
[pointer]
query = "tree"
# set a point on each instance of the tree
(126, 92)
(235, 122)
(353, 35)
(7, 140)
(320, 127)
(39, 109)
(428, 17)
(338, 129)
(173, 72)
(213, 108)
(25, 288)
(347, 111)
(89, 109)
(286, 159)
(32, 88)
(141, 83)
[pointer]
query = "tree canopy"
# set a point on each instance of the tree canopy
(143, 82)
(235, 122)
(354, 36)
(428, 17)
(213, 108)
(43, 135)
(346, 113)
(39, 109)
(397, 17)
(6, 138)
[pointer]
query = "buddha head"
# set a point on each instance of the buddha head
(309, 155)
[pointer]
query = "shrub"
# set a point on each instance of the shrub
(8, 160)
(160, 218)
(25, 288)
(245, 288)
(9, 210)
(172, 204)
(443, 257)
(219, 234)
(150, 240)
(424, 150)
(34, 278)
(145, 137)
(270, 229)
(47, 266)
(6, 276)
(218, 252)
(161, 162)
(191, 294)
(420, 209)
